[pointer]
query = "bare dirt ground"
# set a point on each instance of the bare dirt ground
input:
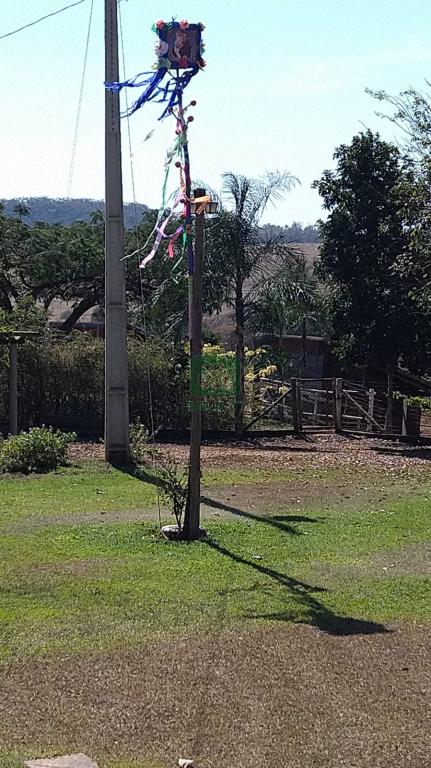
(301, 699)
(326, 451)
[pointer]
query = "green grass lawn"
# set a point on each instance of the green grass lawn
(92, 486)
(95, 586)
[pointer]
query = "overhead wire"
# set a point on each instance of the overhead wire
(80, 98)
(138, 243)
(42, 18)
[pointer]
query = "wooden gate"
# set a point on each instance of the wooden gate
(358, 408)
(299, 404)
(303, 405)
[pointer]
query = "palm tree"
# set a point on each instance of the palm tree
(289, 301)
(236, 254)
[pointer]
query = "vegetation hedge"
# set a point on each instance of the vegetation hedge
(61, 382)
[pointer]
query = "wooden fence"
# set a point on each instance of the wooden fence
(330, 404)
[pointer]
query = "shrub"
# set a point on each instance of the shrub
(38, 450)
(61, 382)
(172, 479)
(140, 447)
(170, 476)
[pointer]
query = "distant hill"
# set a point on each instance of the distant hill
(66, 211)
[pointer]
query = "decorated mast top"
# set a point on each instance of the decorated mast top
(179, 47)
(179, 50)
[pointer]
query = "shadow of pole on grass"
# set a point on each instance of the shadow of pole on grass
(146, 475)
(282, 522)
(318, 615)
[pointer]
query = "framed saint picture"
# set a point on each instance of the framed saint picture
(179, 45)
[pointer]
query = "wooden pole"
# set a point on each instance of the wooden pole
(371, 396)
(338, 393)
(239, 349)
(295, 415)
(13, 388)
(404, 417)
(299, 404)
(191, 528)
(390, 399)
(116, 378)
(315, 406)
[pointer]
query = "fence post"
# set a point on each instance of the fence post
(315, 407)
(299, 404)
(338, 392)
(371, 395)
(280, 410)
(295, 414)
(13, 389)
(404, 418)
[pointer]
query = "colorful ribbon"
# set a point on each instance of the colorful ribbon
(154, 91)
(161, 232)
(173, 240)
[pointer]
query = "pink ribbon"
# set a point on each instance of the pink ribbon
(161, 232)
(173, 240)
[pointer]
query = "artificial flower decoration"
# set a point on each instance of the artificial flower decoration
(161, 48)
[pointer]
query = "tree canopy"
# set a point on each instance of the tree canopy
(411, 111)
(374, 312)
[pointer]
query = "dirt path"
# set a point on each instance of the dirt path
(246, 500)
(284, 696)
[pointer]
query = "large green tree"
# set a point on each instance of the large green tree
(373, 310)
(410, 111)
(53, 261)
(49, 261)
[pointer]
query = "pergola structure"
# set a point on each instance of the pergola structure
(11, 339)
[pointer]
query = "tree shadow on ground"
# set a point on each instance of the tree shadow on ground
(405, 452)
(305, 447)
(317, 614)
(282, 522)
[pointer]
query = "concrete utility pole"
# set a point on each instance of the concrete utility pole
(116, 378)
(191, 529)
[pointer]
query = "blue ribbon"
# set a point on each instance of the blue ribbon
(154, 91)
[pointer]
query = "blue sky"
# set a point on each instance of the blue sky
(284, 85)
